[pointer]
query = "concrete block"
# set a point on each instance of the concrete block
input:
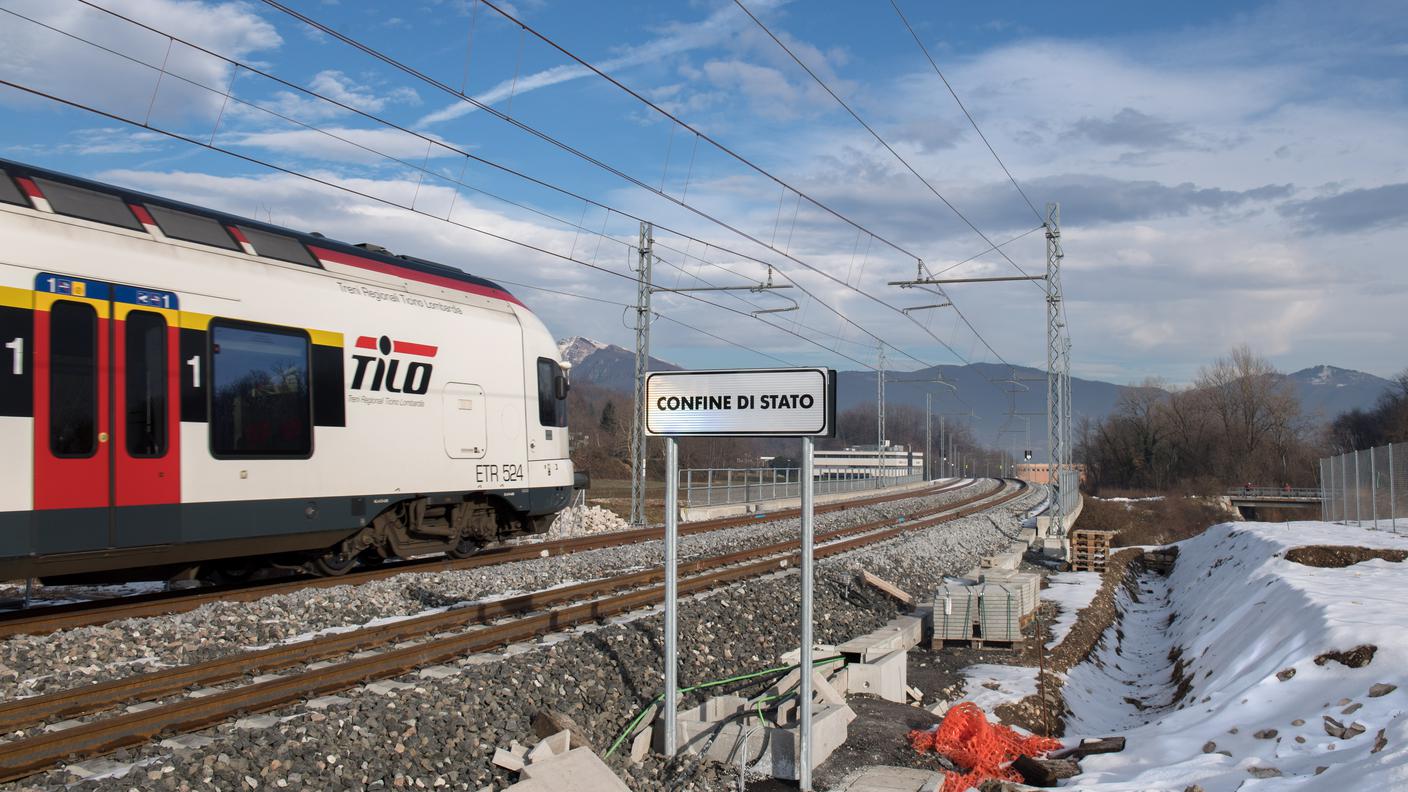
(578, 770)
(1000, 612)
(551, 746)
(1001, 561)
(640, 744)
(955, 612)
(1028, 585)
(508, 761)
(891, 779)
(772, 749)
(819, 652)
(841, 680)
(901, 634)
(885, 677)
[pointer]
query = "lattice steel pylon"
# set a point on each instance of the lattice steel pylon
(1058, 408)
(645, 255)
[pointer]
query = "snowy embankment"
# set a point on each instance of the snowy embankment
(1245, 669)
(1071, 591)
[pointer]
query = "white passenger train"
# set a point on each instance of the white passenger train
(182, 389)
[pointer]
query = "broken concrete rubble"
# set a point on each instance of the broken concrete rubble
(553, 765)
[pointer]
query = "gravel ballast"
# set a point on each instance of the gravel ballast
(438, 728)
(33, 664)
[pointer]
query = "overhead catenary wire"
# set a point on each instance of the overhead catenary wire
(510, 120)
(293, 172)
(655, 313)
(623, 175)
(639, 183)
(868, 128)
(609, 209)
(430, 141)
(894, 4)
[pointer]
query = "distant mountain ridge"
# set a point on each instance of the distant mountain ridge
(983, 400)
(1326, 391)
(607, 365)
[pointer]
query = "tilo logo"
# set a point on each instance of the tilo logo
(385, 371)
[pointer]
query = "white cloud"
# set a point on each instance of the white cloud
(675, 38)
(67, 67)
(343, 144)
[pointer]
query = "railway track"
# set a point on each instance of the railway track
(536, 614)
(39, 621)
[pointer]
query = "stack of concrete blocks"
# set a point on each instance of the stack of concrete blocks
(878, 661)
(1027, 586)
(727, 728)
(991, 604)
(955, 612)
(999, 612)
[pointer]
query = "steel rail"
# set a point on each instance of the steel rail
(99, 696)
(40, 621)
(24, 757)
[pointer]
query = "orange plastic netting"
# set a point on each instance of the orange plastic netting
(985, 749)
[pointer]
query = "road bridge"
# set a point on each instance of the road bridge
(1248, 500)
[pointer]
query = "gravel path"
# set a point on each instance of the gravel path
(440, 728)
(31, 665)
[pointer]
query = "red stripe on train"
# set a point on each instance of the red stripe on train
(408, 348)
(30, 188)
(366, 342)
(410, 274)
(143, 216)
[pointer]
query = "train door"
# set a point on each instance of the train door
(106, 429)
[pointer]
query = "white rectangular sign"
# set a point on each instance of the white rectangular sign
(775, 402)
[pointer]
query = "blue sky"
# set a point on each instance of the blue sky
(1228, 173)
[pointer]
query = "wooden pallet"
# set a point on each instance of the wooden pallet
(1090, 549)
(973, 643)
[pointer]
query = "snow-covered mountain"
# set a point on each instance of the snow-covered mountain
(576, 349)
(607, 365)
(1331, 390)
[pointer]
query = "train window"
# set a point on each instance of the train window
(73, 379)
(192, 228)
(88, 204)
(552, 394)
(260, 401)
(278, 246)
(146, 386)
(9, 193)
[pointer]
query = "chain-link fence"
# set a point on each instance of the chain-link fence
(1368, 487)
(719, 486)
(1069, 481)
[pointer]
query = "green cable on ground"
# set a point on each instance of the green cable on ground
(630, 727)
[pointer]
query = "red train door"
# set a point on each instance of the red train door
(106, 429)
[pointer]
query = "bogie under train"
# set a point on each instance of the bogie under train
(190, 392)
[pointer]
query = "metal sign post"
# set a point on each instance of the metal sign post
(804, 719)
(672, 541)
(739, 403)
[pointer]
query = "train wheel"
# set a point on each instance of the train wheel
(465, 549)
(333, 564)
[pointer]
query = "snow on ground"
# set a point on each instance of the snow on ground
(1131, 500)
(1071, 591)
(990, 686)
(1247, 626)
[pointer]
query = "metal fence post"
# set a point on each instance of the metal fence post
(1392, 505)
(1358, 485)
(1374, 487)
(1344, 484)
